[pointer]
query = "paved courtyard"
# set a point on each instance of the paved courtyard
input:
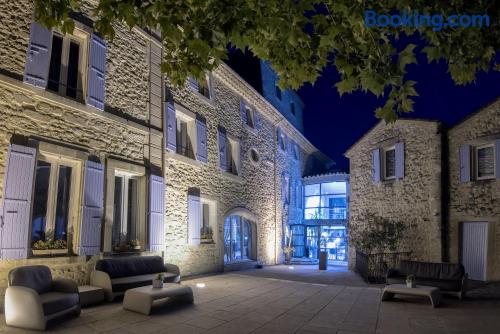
(240, 303)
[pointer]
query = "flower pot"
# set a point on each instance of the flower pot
(288, 258)
(157, 283)
(49, 252)
(410, 284)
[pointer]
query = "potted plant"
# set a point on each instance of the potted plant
(410, 281)
(158, 281)
(288, 250)
(49, 247)
(135, 244)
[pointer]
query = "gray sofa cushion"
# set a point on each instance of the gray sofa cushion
(447, 271)
(37, 278)
(124, 283)
(131, 266)
(53, 302)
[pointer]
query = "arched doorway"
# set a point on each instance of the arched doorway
(239, 239)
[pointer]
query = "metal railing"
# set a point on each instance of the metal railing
(373, 267)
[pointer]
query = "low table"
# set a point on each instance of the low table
(90, 295)
(141, 299)
(420, 290)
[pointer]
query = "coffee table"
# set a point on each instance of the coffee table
(433, 293)
(141, 299)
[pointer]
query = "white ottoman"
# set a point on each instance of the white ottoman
(141, 299)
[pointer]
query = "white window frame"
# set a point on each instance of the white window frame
(83, 38)
(76, 165)
(384, 163)
(182, 114)
(476, 161)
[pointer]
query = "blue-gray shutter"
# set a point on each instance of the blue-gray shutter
(256, 119)
(97, 73)
(93, 208)
(222, 150)
(464, 158)
(400, 160)
(15, 212)
(497, 158)
(201, 139)
(193, 84)
(156, 213)
(170, 127)
(36, 69)
(376, 165)
(194, 219)
(280, 139)
(283, 188)
(243, 111)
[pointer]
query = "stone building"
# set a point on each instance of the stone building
(443, 182)
(100, 155)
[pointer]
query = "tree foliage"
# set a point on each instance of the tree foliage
(301, 37)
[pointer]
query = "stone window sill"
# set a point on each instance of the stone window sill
(232, 177)
(184, 159)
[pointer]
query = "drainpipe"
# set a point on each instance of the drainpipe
(275, 127)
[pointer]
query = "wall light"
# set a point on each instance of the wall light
(200, 285)
(291, 267)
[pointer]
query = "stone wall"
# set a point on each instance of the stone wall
(475, 200)
(415, 199)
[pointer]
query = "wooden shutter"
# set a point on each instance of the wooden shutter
(497, 158)
(243, 111)
(376, 165)
(170, 127)
(92, 211)
(464, 163)
(201, 139)
(193, 84)
(156, 213)
(400, 160)
(15, 213)
(256, 119)
(36, 69)
(155, 84)
(222, 150)
(194, 219)
(97, 73)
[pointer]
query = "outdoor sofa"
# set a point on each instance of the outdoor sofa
(450, 278)
(117, 275)
(33, 297)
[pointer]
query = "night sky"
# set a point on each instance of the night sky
(333, 123)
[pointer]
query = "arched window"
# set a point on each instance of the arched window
(238, 239)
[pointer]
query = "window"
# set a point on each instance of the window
(238, 239)
(292, 108)
(282, 141)
(296, 151)
(67, 67)
(254, 156)
(126, 207)
(55, 199)
(278, 92)
(298, 240)
(186, 134)
(201, 87)
(208, 219)
(286, 189)
(389, 163)
(232, 155)
(326, 201)
(485, 161)
(250, 117)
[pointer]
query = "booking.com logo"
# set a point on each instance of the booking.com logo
(416, 20)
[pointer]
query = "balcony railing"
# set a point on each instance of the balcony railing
(373, 267)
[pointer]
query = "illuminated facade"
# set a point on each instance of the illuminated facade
(101, 156)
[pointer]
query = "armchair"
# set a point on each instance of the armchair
(33, 297)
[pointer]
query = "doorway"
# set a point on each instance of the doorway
(474, 249)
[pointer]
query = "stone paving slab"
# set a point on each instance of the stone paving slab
(235, 303)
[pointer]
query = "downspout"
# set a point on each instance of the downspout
(445, 194)
(275, 125)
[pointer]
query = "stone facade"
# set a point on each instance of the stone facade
(477, 200)
(125, 132)
(415, 198)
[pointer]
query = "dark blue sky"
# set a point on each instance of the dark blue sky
(333, 123)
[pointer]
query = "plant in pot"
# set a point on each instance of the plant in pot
(135, 244)
(288, 250)
(410, 281)
(49, 247)
(158, 281)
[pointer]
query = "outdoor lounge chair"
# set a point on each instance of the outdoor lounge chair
(33, 297)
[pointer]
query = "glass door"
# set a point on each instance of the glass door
(333, 241)
(311, 249)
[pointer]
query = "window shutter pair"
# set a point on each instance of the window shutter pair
(465, 162)
(15, 213)
(222, 150)
(194, 219)
(38, 59)
(377, 165)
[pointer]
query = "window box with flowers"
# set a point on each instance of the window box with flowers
(49, 247)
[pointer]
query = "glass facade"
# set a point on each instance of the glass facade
(325, 201)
